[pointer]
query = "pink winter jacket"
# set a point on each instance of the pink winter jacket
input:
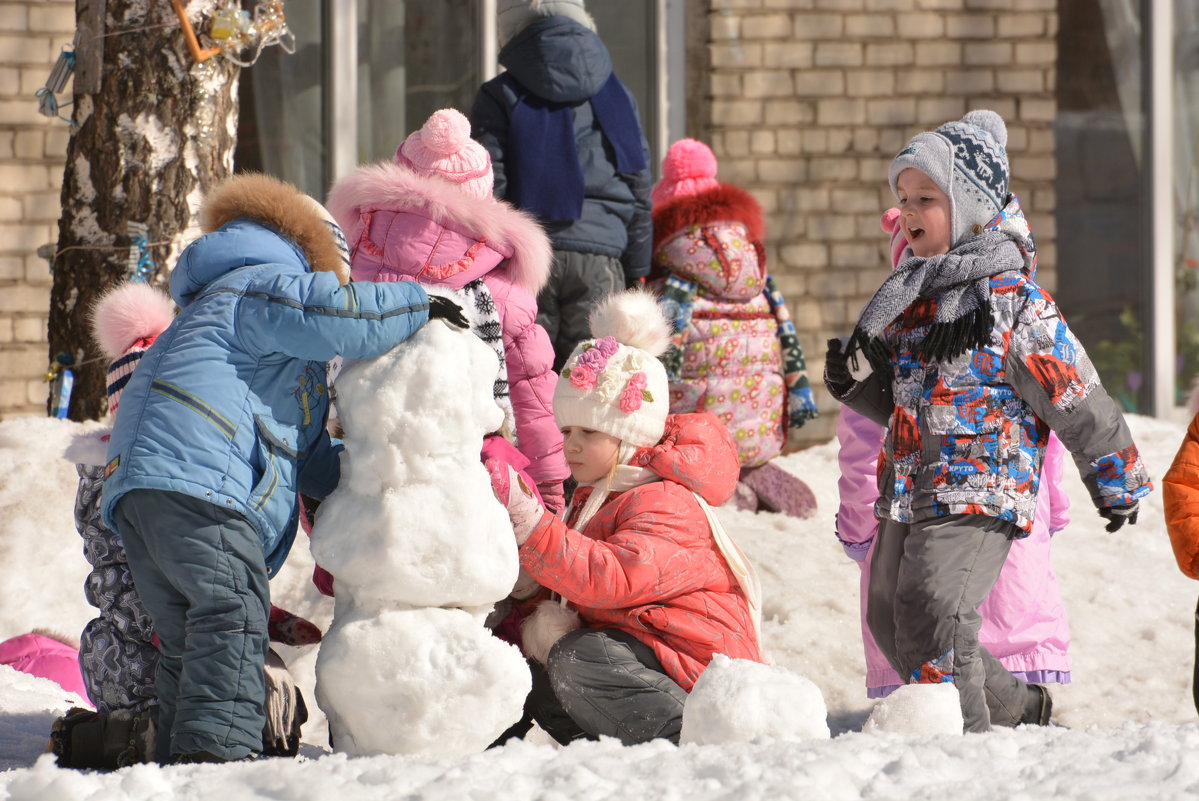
(404, 226)
(647, 563)
(44, 656)
(1025, 625)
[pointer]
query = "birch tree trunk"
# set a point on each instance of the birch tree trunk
(153, 130)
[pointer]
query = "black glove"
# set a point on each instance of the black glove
(285, 709)
(836, 368)
(445, 309)
(1117, 516)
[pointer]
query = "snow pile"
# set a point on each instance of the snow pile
(739, 701)
(924, 709)
(420, 551)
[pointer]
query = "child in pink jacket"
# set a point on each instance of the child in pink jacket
(429, 217)
(1025, 625)
(734, 352)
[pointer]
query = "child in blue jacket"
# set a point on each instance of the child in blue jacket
(220, 425)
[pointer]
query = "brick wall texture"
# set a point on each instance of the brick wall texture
(809, 100)
(806, 103)
(32, 156)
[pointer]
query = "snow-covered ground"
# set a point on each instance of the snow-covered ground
(1128, 723)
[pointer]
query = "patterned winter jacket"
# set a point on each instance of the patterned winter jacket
(710, 270)
(230, 404)
(968, 436)
(647, 564)
(402, 226)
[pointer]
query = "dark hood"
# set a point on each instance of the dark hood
(558, 59)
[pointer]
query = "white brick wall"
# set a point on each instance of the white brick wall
(32, 157)
(837, 87)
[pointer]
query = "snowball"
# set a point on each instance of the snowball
(918, 709)
(736, 700)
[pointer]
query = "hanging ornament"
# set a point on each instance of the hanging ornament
(48, 104)
(138, 264)
(62, 381)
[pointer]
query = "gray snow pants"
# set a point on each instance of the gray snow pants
(200, 572)
(927, 580)
(578, 283)
(606, 682)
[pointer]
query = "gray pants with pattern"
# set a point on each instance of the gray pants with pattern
(927, 580)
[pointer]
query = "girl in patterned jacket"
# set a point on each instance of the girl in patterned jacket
(429, 217)
(734, 352)
(969, 364)
(1024, 621)
(654, 580)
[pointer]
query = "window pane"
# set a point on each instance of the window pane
(280, 124)
(1103, 276)
(414, 56)
(627, 28)
(1186, 191)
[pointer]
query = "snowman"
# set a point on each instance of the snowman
(420, 550)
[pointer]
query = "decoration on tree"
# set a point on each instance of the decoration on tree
(236, 34)
(139, 265)
(62, 381)
(48, 104)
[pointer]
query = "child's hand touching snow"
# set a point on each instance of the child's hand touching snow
(523, 507)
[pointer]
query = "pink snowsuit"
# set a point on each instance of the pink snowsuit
(41, 655)
(1025, 625)
(403, 226)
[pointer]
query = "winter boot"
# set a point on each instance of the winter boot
(744, 498)
(1039, 706)
(779, 491)
(90, 740)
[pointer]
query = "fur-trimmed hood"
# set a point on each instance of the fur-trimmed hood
(397, 188)
(725, 203)
(283, 207)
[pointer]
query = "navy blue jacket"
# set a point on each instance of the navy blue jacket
(561, 61)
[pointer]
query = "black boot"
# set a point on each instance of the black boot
(90, 740)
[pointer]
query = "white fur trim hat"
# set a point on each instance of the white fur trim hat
(967, 159)
(614, 383)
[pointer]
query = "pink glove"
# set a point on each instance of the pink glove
(524, 509)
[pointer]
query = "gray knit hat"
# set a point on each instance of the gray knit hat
(513, 16)
(967, 160)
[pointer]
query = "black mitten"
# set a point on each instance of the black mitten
(1117, 516)
(836, 368)
(442, 308)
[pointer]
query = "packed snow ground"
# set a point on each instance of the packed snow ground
(1128, 723)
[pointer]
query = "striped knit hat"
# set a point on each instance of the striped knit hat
(126, 320)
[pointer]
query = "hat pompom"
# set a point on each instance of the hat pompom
(632, 318)
(445, 132)
(689, 158)
(127, 313)
(890, 220)
(990, 122)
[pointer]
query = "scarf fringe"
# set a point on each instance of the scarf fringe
(945, 341)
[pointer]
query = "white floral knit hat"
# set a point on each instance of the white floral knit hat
(615, 383)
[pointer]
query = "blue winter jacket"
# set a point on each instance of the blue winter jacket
(230, 403)
(559, 60)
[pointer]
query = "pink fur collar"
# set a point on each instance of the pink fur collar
(394, 187)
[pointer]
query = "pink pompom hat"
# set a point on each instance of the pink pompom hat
(126, 320)
(688, 169)
(443, 147)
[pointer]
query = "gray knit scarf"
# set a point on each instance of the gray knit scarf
(960, 282)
